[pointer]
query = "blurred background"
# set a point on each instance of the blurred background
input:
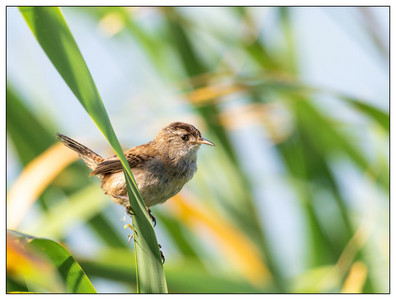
(295, 195)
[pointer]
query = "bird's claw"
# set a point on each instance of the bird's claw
(152, 217)
(161, 254)
(129, 210)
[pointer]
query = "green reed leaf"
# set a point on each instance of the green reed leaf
(51, 30)
(76, 281)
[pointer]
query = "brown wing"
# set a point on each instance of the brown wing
(136, 157)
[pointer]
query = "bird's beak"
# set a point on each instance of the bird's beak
(205, 141)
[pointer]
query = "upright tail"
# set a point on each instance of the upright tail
(88, 156)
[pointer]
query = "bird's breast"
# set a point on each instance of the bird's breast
(159, 182)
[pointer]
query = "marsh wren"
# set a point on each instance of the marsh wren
(160, 167)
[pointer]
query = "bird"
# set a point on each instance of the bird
(160, 167)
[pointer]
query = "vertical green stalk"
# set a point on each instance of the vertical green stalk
(54, 36)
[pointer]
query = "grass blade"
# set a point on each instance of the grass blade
(30, 271)
(74, 277)
(54, 36)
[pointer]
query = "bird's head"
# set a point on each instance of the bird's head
(180, 139)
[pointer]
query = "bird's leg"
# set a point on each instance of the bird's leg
(129, 211)
(151, 216)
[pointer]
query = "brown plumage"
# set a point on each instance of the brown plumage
(160, 167)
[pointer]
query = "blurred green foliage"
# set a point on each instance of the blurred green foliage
(313, 146)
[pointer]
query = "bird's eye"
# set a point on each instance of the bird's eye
(184, 137)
